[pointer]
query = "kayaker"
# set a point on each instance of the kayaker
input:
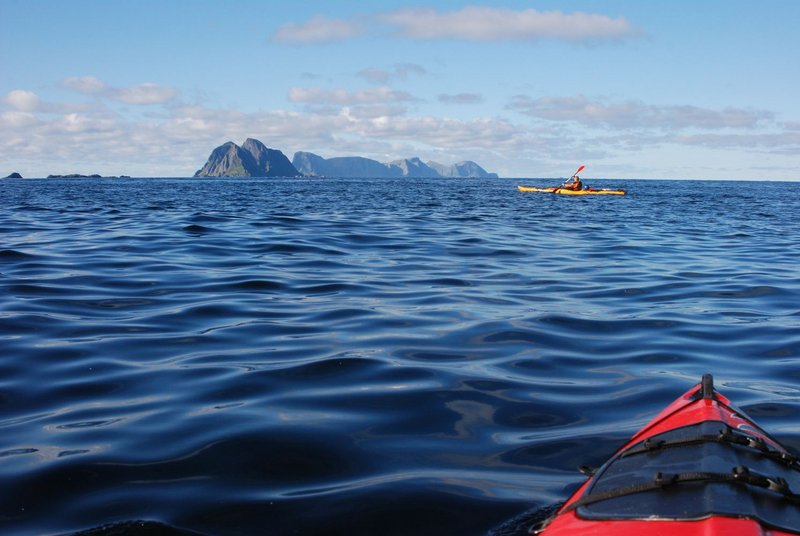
(575, 183)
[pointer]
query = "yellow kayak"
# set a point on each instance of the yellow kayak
(567, 191)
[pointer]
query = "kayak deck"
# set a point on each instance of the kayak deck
(701, 467)
(567, 191)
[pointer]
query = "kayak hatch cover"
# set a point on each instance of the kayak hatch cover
(701, 467)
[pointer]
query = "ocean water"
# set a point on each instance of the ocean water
(395, 357)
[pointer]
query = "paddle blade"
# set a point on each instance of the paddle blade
(579, 170)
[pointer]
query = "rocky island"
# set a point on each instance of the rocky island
(16, 175)
(254, 159)
(358, 167)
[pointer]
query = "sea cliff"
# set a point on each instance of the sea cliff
(357, 166)
(254, 159)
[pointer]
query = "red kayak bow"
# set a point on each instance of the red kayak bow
(701, 467)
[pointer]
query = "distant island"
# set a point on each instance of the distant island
(93, 176)
(356, 166)
(254, 159)
(16, 175)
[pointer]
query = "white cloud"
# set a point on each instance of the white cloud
(85, 84)
(178, 141)
(141, 94)
(474, 23)
(634, 114)
(17, 119)
(344, 97)
(93, 123)
(461, 98)
(774, 142)
(24, 101)
(317, 30)
(400, 72)
(375, 75)
(374, 123)
(375, 110)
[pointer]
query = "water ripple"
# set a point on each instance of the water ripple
(409, 357)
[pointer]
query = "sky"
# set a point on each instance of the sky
(685, 89)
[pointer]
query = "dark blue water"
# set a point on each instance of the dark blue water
(368, 356)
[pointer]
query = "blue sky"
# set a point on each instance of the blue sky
(631, 88)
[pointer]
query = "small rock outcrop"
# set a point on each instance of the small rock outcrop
(14, 175)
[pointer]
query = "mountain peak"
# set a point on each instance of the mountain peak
(465, 168)
(252, 159)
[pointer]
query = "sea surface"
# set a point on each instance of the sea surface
(363, 357)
